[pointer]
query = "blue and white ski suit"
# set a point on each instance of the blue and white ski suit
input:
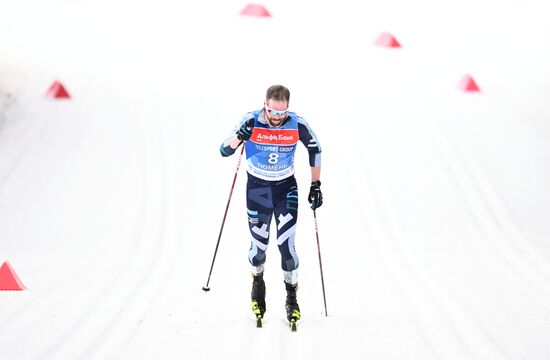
(271, 187)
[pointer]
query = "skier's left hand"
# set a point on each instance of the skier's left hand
(315, 197)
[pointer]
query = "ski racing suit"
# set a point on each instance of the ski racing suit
(271, 187)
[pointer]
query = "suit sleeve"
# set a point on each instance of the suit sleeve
(227, 150)
(309, 139)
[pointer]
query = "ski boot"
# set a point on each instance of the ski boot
(292, 308)
(258, 298)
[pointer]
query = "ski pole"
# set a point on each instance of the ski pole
(206, 288)
(320, 262)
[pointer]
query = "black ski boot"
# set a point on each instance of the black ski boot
(292, 308)
(258, 298)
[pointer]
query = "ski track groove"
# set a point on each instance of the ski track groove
(87, 332)
(260, 338)
(488, 211)
(502, 217)
(171, 246)
(82, 326)
(46, 294)
(56, 294)
(464, 326)
(463, 332)
(375, 235)
(434, 320)
(124, 323)
(26, 147)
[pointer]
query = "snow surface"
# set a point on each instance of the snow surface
(434, 233)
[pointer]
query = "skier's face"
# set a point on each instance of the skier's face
(276, 111)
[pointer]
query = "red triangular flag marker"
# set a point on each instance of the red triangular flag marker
(255, 10)
(57, 91)
(468, 84)
(9, 279)
(387, 40)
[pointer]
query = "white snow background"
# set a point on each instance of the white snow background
(434, 234)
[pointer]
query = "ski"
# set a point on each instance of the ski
(293, 325)
(293, 319)
(258, 313)
(291, 306)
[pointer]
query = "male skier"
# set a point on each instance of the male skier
(270, 136)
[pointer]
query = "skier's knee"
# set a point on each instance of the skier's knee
(257, 259)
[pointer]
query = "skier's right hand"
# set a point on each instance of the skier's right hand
(244, 132)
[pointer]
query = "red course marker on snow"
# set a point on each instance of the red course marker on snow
(57, 91)
(468, 84)
(9, 279)
(387, 40)
(255, 10)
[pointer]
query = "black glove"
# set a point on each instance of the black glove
(315, 197)
(244, 132)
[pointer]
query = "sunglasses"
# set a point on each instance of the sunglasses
(275, 112)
